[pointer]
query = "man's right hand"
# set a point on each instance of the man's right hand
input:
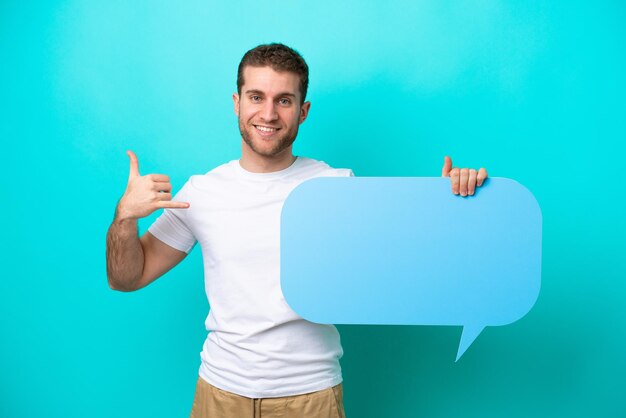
(145, 194)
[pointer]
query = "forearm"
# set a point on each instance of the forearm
(133, 263)
(124, 253)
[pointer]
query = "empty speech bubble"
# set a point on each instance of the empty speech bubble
(406, 251)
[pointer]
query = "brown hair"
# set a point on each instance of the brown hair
(280, 58)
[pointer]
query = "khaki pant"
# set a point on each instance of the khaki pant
(211, 402)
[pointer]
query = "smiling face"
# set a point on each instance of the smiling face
(269, 113)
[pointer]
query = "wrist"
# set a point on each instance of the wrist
(122, 215)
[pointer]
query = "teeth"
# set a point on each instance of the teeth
(265, 129)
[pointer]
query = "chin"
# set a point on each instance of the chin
(267, 148)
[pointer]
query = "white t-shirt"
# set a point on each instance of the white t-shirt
(257, 345)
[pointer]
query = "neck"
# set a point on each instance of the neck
(255, 163)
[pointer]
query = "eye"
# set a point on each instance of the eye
(284, 101)
(255, 98)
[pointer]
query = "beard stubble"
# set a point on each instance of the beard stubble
(282, 142)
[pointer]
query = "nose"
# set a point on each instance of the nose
(268, 113)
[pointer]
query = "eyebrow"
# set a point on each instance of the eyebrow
(260, 93)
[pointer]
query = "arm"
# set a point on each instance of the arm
(134, 262)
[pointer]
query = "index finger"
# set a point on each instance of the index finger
(454, 179)
(159, 178)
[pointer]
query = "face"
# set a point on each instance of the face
(269, 111)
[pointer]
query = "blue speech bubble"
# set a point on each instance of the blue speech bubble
(406, 251)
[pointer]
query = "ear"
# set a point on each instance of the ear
(304, 111)
(236, 103)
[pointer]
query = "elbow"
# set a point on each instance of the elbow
(121, 285)
(117, 288)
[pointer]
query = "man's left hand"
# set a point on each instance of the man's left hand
(464, 180)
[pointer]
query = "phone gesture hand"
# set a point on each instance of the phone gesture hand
(145, 194)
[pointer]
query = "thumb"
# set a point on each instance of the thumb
(134, 165)
(447, 166)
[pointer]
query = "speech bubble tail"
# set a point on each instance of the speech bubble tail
(469, 334)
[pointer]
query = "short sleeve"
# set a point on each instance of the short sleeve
(172, 226)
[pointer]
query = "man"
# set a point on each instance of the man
(260, 358)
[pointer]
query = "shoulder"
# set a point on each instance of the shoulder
(314, 168)
(218, 175)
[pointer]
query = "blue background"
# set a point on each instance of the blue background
(532, 90)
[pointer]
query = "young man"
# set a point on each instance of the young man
(260, 358)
